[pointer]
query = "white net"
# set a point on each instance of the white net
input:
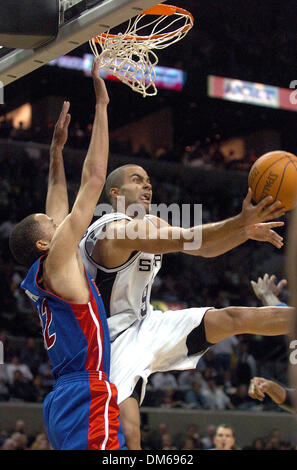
(129, 56)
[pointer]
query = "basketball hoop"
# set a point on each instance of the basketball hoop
(129, 56)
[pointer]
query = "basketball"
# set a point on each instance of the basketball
(275, 174)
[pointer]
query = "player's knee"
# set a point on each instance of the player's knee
(132, 434)
(222, 323)
(234, 319)
(131, 429)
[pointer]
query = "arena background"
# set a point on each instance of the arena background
(197, 149)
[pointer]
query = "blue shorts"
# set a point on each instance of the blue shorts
(81, 413)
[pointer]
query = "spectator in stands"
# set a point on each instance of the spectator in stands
(16, 365)
(188, 377)
(208, 439)
(193, 432)
(258, 444)
(228, 382)
(215, 398)
(20, 439)
(4, 390)
(273, 443)
(167, 442)
(223, 352)
(40, 389)
(240, 399)
(157, 434)
(286, 445)
(188, 444)
(41, 443)
(224, 438)
(194, 397)
(20, 426)
(21, 388)
(30, 355)
(147, 443)
(161, 380)
(171, 399)
(9, 444)
(246, 367)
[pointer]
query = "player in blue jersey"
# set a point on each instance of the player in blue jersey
(81, 413)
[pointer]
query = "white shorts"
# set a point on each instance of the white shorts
(155, 344)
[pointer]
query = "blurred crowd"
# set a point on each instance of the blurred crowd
(203, 153)
(220, 381)
(18, 438)
(160, 437)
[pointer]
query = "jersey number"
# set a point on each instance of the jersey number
(49, 340)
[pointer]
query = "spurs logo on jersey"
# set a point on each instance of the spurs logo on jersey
(125, 290)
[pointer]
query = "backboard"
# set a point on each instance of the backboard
(15, 63)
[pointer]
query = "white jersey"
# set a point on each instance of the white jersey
(126, 289)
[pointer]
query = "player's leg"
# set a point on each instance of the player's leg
(130, 419)
(267, 321)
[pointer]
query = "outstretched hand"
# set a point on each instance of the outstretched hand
(266, 288)
(99, 83)
(61, 128)
(263, 232)
(262, 212)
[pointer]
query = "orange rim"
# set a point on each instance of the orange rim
(161, 10)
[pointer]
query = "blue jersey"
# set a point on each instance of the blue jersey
(76, 336)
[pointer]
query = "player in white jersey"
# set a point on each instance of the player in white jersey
(125, 289)
(124, 265)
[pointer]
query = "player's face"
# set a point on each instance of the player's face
(136, 187)
(47, 225)
(224, 439)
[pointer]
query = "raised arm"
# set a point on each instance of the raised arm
(268, 290)
(251, 223)
(207, 240)
(64, 244)
(57, 206)
(260, 232)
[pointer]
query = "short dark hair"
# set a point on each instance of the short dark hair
(22, 241)
(226, 426)
(115, 179)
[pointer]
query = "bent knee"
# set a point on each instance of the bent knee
(131, 429)
(132, 435)
(222, 323)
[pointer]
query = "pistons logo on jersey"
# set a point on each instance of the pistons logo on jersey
(46, 318)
